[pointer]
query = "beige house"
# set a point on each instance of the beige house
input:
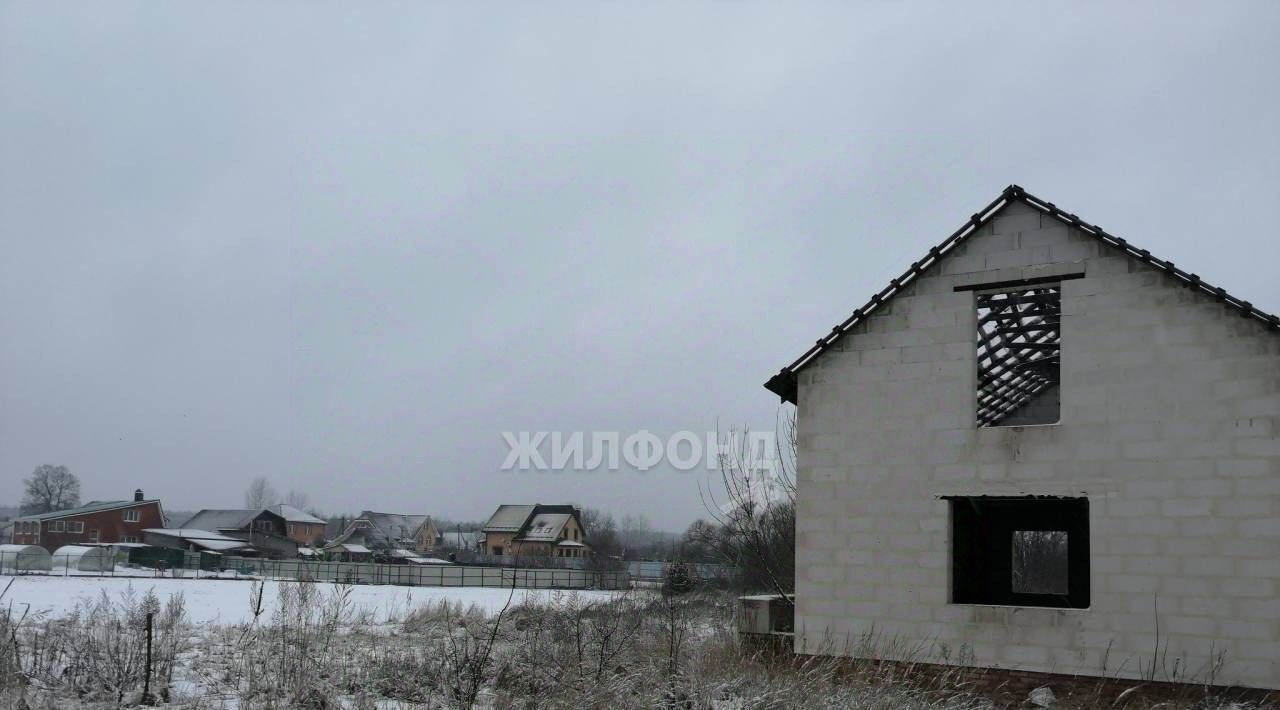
(1042, 448)
(542, 530)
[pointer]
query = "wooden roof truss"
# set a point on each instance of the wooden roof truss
(1019, 346)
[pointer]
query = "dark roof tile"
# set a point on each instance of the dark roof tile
(784, 383)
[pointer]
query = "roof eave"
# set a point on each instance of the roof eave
(785, 384)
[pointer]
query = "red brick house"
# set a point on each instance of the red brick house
(96, 521)
(302, 527)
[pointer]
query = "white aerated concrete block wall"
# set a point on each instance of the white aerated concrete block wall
(1170, 426)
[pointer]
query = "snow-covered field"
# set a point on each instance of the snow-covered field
(223, 601)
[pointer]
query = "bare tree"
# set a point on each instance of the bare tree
(632, 532)
(297, 499)
(601, 532)
(753, 508)
(50, 488)
(260, 494)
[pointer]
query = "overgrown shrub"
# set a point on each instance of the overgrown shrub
(310, 649)
(99, 650)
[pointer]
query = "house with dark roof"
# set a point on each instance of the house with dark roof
(541, 530)
(375, 534)
(1042, 448)
(98, 521)
(265, 530)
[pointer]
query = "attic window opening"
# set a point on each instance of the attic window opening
(1019, 348)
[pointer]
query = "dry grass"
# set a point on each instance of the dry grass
(316, 651)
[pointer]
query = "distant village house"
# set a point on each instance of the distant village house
(265, 530)
(385, 535)
(300, 526)
(116, 521)
(539, 530)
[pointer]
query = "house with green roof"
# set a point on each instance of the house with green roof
(98, 521)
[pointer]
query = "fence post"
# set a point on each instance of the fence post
(146, 684)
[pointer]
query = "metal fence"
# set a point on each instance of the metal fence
(176, 563)
(652, 571)
(645, 570)
(481, 558)
(429, 575)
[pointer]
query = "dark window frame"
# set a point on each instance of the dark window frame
(982, 529)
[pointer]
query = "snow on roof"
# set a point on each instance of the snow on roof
(383, 530)
(569, 543)
(428, 561)
(395, 525)
(508, 518)
(294, 515)
(220, 545)
(224, 519)
(351, 547)
(191, 534)
(545, 526)
(308, 551)
(93, 506)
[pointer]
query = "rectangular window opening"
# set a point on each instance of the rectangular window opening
(1018, 356)
(1020, 551)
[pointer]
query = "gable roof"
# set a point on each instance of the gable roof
(294, 515)
(396, 525)
(383, 529)
(784, 383)
(225, 518)
(212, 541)
(545, 527)
(533, 523)
(93, 506)
(508, 518)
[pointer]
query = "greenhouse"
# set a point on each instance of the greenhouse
(82, 558)
(24, 558)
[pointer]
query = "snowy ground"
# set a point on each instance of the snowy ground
(222, 601)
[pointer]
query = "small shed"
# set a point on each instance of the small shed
(349, 552)
(83, 558)
(24, 558)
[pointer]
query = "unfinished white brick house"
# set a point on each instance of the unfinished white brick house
(1043, 449)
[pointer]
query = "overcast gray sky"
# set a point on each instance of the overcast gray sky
(345, 246)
